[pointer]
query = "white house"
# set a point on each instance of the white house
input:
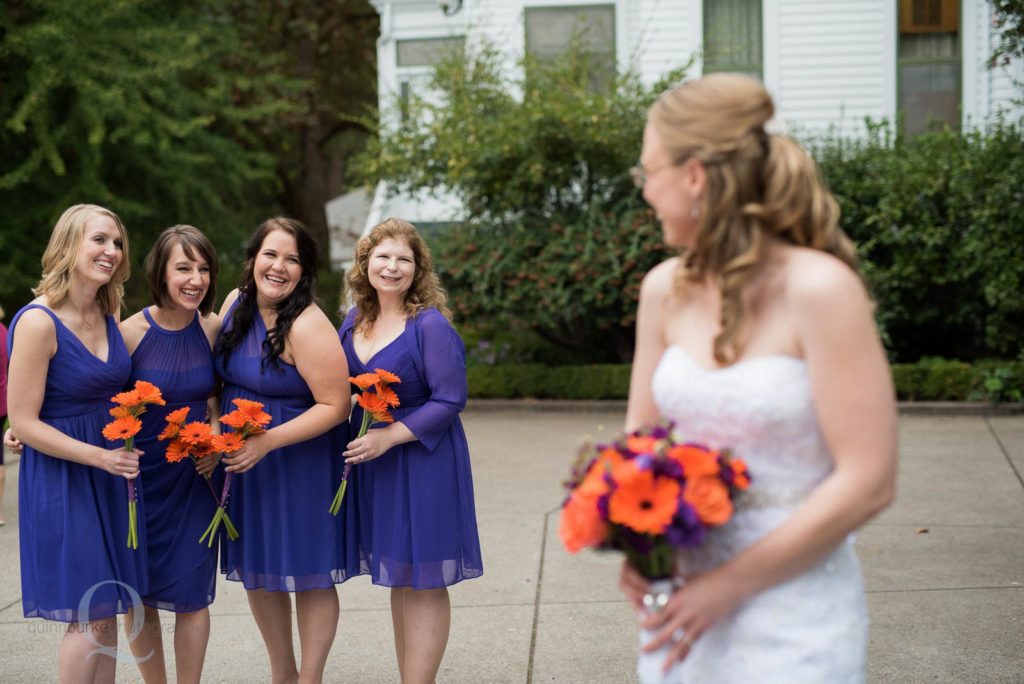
(828, 63)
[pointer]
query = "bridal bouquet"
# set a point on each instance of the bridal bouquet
(375, 407)
(194, 441)
(648, 494)
(126, 424)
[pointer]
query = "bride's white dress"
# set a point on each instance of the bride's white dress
(812, 628)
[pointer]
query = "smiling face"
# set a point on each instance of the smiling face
(672, 189)
(276, 268)
(101, 251)
(391, 267)
(186, 280)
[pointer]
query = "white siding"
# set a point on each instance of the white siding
(986, 92)
(665, 35)
(830, 63)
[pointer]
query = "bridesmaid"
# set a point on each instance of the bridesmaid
(277, 347)
(412, 486)
(67, 360)
(171, 346)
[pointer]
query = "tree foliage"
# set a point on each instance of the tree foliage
(555, 238)
(133, 105)
(1008, 22)
(939, 222)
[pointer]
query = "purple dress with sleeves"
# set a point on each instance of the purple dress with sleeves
(73, 518)
(414, 505)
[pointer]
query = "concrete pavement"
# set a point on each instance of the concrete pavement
(944, 568)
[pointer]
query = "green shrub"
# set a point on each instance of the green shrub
(931, 379)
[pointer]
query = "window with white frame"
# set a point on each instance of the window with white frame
(549, 31)
(415, 61)
(929, 64)
(732, 36)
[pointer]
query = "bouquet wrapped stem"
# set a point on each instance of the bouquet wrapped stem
(126, 424)
(375, 407)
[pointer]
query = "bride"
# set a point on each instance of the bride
(760, 338)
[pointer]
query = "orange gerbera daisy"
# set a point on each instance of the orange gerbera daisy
(387, 376)
(176, 451)
(228, 442)
(203, 449)
(643, 502)
(178, 416)
(376, 406)
(252, 411)
(194, 433)
(122, 428)
(129, 398)
(388, 395)
(710, 498)
(740, 474)
(234, 419)
(120, 412)
(581, 525)
(170, 432)
(695, 460)
(149, 393)
(642, 445)
(365, 381)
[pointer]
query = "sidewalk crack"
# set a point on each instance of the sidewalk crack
(1006, 454)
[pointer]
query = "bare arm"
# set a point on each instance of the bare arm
(320, 361)
(35, 343)
(853, 395)
(650, 344)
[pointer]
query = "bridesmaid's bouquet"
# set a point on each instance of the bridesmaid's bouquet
(194, 441)
(375, 410)
(247, 419)
(648, 494)
(126, 424)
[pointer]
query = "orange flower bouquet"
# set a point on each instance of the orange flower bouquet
(247, 419)
(375, 407)
(126, 424)
(194, 441)
(648, 494)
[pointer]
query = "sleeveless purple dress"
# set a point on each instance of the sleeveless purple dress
(414, 506)
(289, 540)
(182, 572)
(73, 518)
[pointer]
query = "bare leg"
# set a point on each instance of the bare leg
(398, 623)
(191, 635)
(317, 612)
(148, 645)
(74, 663)
(426, 620)
(273, 613)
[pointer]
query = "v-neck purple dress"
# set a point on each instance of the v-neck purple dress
(289, 539)
(182, 572)
(73, 518)
(413, 506)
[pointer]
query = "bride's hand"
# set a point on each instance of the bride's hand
(698, 605)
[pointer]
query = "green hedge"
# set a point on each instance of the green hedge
(927, 380)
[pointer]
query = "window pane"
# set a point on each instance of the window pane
(427, 51)
(732, 36)
(548, 30)
(930, 96)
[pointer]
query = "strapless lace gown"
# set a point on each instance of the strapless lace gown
(814, 627)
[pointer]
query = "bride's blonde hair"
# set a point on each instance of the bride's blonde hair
(758, 185)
